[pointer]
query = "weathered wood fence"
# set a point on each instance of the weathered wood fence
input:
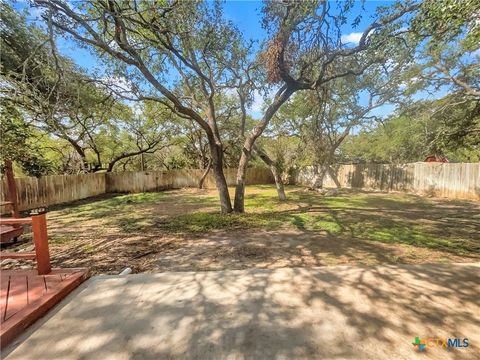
(135, 181)
(54, 189)
(57, 189)
(455, 181)
(450, 180)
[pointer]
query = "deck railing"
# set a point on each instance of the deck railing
(40, 239)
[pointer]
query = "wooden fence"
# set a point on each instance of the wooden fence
(138, 181)
(57, 189)
(455, 181)
(54, 189)
(450, 180)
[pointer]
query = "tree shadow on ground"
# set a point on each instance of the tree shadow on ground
(340, 312)
(183, 231)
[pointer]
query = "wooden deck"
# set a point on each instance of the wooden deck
(8, 233)
(27, 296)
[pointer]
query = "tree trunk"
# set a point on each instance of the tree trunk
(239, 203)
(205, 173)
(281, 96)
(278, 183)
(110, 166)
(80, 152)
(276, 172)
(220, 181)
(334, 177)
(142, 162)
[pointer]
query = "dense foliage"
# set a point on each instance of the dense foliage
(435, 128)
(56, 118)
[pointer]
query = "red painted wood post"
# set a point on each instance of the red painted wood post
(40, 238)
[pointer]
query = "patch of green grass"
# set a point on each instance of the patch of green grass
(201, 222)
(357, 216)
(328, 224)
(398, 232)
(312, 222)
(300, 220)
(134, 223)
(260, 202)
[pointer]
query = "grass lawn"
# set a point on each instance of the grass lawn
(182, 230)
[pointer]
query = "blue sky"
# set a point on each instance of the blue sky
(245, 14)
(247, 17)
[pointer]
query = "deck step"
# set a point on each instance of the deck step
(27, 296)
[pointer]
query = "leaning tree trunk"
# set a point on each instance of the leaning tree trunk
(278, 183)
(220, 181)
(276, 172)
(81, 154)
(332, 173)
(205, 173)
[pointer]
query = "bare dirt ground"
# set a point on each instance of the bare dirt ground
(181, 230)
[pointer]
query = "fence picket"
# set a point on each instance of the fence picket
(451, 180)
(56, 189)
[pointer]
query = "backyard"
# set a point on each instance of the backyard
(182, 230)
(239, 179)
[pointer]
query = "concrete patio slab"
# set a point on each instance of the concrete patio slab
(330, 313)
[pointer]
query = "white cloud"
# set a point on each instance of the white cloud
(353, 37)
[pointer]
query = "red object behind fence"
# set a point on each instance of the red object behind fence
(436, 158)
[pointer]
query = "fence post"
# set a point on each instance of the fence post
(40, 238)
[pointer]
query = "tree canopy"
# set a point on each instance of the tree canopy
(178, 80)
